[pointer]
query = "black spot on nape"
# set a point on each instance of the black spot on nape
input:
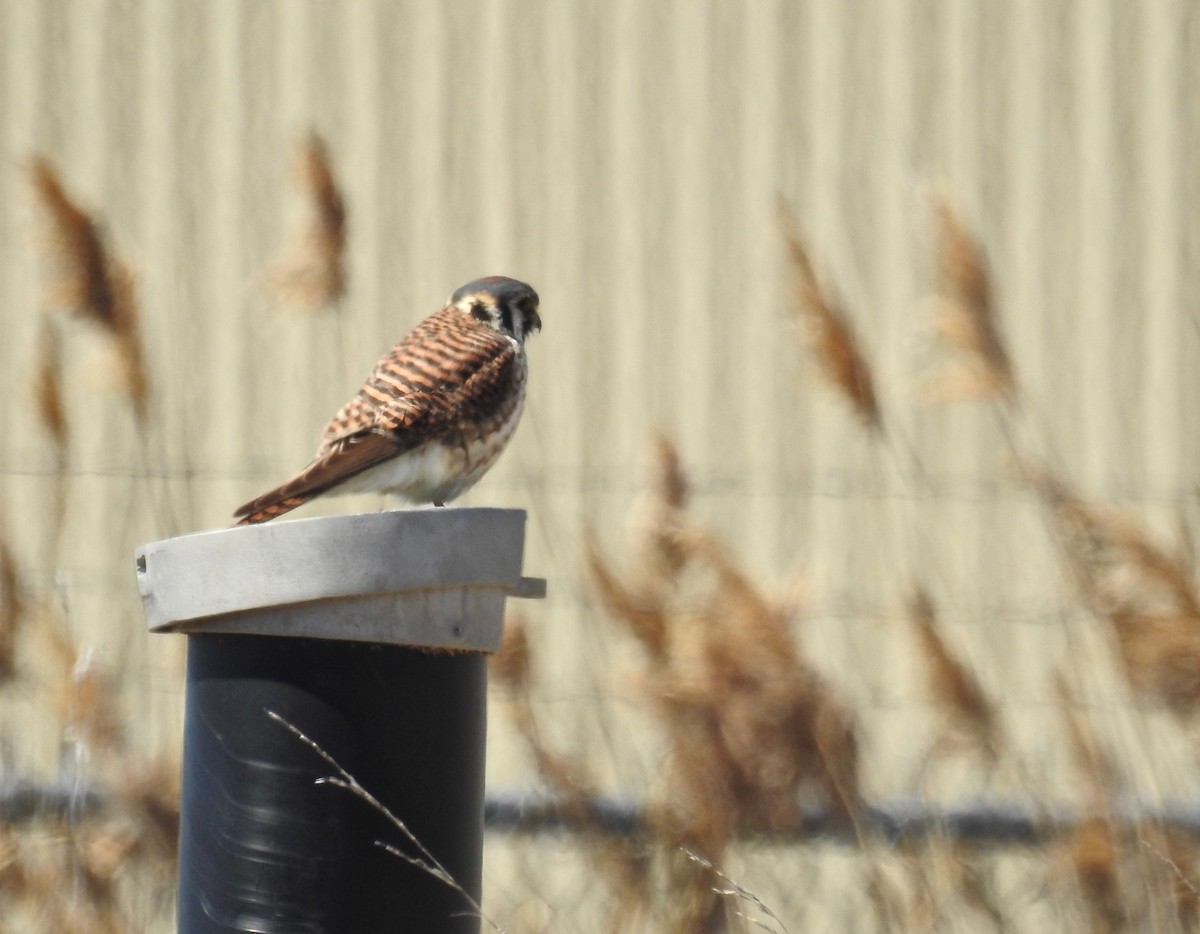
(480, 313)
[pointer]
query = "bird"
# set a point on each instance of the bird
(434, 414)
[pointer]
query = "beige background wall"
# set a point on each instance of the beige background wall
(624, 157)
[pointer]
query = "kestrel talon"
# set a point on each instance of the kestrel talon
(435, 413)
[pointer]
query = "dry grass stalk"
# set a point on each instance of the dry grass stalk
(66, 877)
(1096, 768)
(422, 858)
(94, 858)
(13, 875)
(659, 520)
(1160, 659)
(85, 277)
(732, 889)
(1115, 560)
(832, 337)
(87, 698)
(12, 609)
(620, 861)
(750, 727)
(47, 392)
(638, 610)
(945, 878)
(970, 716)
(974, 886)
(311, 273)
(1092, 857)
(1170, 854)
(133, 376)
(148, 792)
(93, 707)
(639, 599)
(964, 317)
(1146, 593)
(51, 414)
(888, 904)
(80, 277)
(512, 667)
(748, 719)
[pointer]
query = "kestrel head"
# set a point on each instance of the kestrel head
(509, 306)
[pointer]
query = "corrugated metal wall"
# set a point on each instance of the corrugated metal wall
(624, 157)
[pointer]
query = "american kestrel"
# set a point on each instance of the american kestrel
(436, 412)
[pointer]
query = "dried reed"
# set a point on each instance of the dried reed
(888, 904)
(12, 609)
(47, 392)
(620, 861)
(87, 698)
(423, 859)
(512, 667)
(91, 707)
(969, 715)
(1093, 764)
(945, 877)
(1173, 854)
(80, 278)
(832, 338)
(1092, 855)
(964, 317)
(311, 272)
(86, 278)
(749, 724)
(1144, 591)
(51, 414)
(749, 720)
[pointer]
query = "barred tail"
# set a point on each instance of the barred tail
(268, 507)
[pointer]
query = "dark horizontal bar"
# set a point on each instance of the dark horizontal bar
(517, 812)
(61, 799)
(1013, 823)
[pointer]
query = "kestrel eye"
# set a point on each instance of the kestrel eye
(480, 313)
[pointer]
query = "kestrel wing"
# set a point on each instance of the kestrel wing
(463, 408)
(344, 459)
(446, 376)
(449, 370)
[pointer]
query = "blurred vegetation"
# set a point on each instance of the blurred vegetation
(751, 731)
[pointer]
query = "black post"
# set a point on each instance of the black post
(367, 634)
(264, 847)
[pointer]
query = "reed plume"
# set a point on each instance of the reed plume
(831, 336)
(1095, 767)
(1144, 591)
(13, 608)
(84, 277)
(47, 392)
(311, 273)
(970, 716)
(965, 321)
(751, 728)
(1092, 856)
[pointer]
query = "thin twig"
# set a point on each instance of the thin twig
(347, 781)
(1174, 866)
(737, 890)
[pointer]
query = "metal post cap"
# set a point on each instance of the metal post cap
(427, 577)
